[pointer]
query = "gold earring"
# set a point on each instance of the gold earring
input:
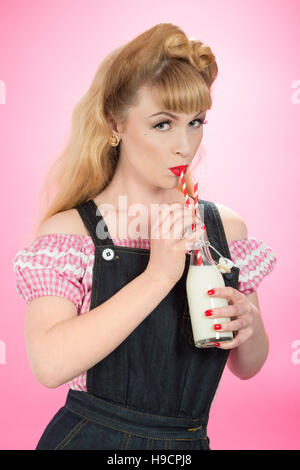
(114, 140)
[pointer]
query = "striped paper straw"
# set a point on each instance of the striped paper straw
(196, 212)
(187, 200)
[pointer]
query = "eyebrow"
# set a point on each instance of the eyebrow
(173, 115)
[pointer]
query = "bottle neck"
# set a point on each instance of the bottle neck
(202, 246)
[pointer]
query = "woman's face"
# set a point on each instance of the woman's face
(150, 145)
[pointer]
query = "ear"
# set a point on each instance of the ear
(113, 124)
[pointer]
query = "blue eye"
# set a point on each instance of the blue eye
(201, 121)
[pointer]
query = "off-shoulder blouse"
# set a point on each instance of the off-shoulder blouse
(61, 264)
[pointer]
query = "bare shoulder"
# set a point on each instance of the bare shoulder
(234, 225)
(68, 221)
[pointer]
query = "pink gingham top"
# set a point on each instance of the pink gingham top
(61, 264)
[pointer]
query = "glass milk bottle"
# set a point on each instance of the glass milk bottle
(201, 278)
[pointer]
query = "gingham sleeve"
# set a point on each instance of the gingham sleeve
(53, 264)
(255, 260)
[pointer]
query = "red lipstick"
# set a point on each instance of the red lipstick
(176, 170)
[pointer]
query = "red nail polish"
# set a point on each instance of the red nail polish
(208, 313)
(211, 291)
(217, 345)
(217, 326)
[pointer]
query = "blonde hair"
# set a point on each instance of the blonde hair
(181, 69)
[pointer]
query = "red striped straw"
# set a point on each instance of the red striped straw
(196, 212)
(187, 200)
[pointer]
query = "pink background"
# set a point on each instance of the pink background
(49, 53)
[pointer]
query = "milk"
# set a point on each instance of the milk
(199, 280)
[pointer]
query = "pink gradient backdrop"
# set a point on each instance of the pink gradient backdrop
(49, 53)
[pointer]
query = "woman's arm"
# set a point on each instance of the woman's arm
(251, 346)
(60, 350)
(247, 359)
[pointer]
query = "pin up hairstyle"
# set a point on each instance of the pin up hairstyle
(182, 70)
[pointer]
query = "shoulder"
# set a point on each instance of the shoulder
(235, 227)
(252, 256)
(65, 222)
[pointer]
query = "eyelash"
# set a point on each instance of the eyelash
(169, 122)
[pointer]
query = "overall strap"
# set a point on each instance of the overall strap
(210, 214)
(94, 222)
(216, 235)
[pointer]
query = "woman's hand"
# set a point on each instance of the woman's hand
(170, 241)
(244, 316)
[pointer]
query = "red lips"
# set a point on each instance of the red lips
(178, 169)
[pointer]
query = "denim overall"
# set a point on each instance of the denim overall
(154, 391)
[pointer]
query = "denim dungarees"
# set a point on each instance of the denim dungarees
(154, 391)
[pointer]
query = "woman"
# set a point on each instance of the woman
(107, 310)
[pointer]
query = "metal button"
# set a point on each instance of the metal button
(108, 254)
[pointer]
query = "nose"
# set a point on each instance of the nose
(182, 144)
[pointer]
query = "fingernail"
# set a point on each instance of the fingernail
(203, 227)
(211, 291)
(208, 313)
(217, 326)
(217, 345)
